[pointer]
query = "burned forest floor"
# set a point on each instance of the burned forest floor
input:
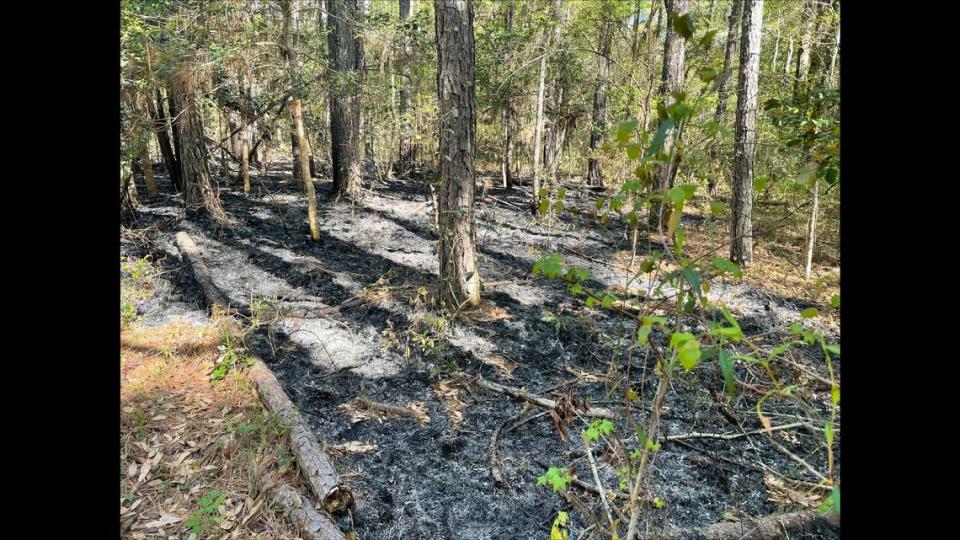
(429, 476)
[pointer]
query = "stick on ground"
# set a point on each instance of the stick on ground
(597, 412)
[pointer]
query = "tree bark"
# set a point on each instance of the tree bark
(459, 275)
(198, 190)
(741, 234)
(313, 525)
(161, 126)
(651, 55)
(806, 43)
(506, 167)
(674, 49)
(148, 177)
(301, 149)
(537, 148)
(594, 170)
(812, 229)
(733, 25)
(346, 59)
(406, 142)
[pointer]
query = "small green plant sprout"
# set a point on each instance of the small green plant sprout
(558, 478)
(559, 529)
(231, 355)
(205, 516)
(597, 428)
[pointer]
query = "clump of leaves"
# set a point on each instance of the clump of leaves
(206, 515)
(559, 529)
(558, 478)
(232, 354)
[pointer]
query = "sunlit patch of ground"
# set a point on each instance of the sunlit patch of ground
(193, 450)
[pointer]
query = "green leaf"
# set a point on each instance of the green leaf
(682, 24)
(558, 206)
(550, 266)
(726, 368)
(633, 150)
(717, 208)
(694, 279)
(591, 301)
(625, 130)
(608, 301)
(657, 143)
(576, 289)
(557, 477)
(600, 202)
(828, 432)
(677, 195)
(809, 313)
(835, 301)
(707, 38)
(834, 349)
(643, 334)
(689, 354)
(724, 265)
(678, 338)
(544, 206)
(646, 266)
(835, 394)
(707, 74)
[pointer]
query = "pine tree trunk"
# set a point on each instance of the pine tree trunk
(346, 58)
(536, 148)
(594, 170)
(733, 25)
(161, 126)
(406, 142)
(651, 55)
(198, 189)
(812, 229)
(506, 167)
(806, 43)
(741, 234)
(459, 275)
(674, 49)
(301, 159)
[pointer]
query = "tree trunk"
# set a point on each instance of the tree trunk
(812, 229)
(651, 55)
(506, 167)
(537, 148)
(671, 79)
(198, 190)
(806, 43)
(459, 275)
(776, 48)
(161, 126)
(787, 63)
(594, 171)
(245, 166)
(301, 153)
(346, 58)
(148, 177)
(741, 235)
(733, 25)
(406, 142)
(831, 78)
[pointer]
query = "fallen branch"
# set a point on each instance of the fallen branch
(313, 525)
(314, 464)
(597, 412)
(395, 410)
(493, 449)
(731, 436)
(201, 273)
(769, 527)
(299, 309)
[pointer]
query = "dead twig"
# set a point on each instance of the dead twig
(598, 412)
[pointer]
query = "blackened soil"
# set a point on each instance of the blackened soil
(433, 481)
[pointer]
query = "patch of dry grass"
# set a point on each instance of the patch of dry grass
(194, 452)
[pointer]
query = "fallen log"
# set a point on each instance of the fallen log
(314, 464)
(313, 525)
(201, 273)
(769, 527)
(597, 412)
